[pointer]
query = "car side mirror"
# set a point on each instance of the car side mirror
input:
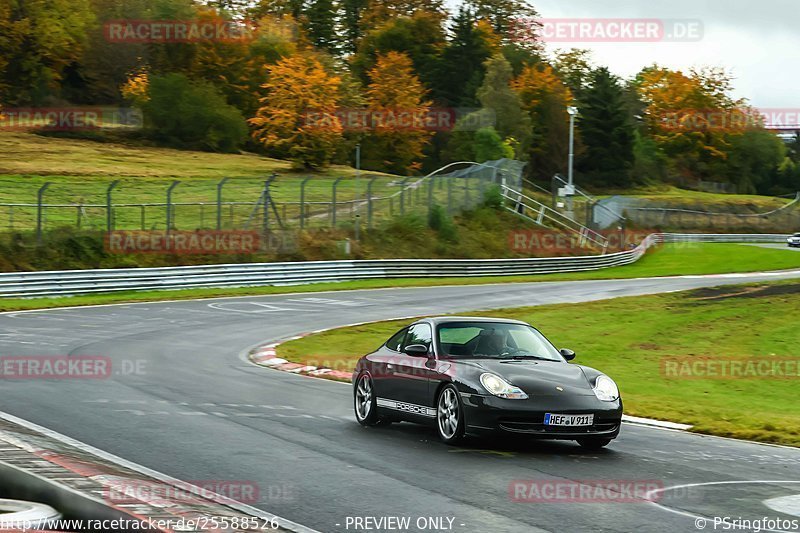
(417, 350)
(567, 354)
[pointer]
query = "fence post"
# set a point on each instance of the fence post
(369, 202)
(430, 194)
(450, 195)
(333, 202)
(170, 215)
(219, 202)
(79, 214)
(109, 207)
(403, 196)
(302, 203)
(39, 211)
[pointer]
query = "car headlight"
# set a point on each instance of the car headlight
(501, 388)
(605, 389)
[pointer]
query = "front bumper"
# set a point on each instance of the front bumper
(489, 414)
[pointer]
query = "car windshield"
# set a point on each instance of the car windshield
(465, 340)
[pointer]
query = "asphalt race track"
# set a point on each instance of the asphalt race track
(196, 409)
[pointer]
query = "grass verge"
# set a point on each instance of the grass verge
(629, 338)
(668, 260)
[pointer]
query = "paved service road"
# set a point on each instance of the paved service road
(197, 410)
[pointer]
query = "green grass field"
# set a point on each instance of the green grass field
(668, 260)
(629, 338)
(80, 171)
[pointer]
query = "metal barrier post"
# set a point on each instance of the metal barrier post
(333, 202)
(403, 196)
(302, 203)
(170, 214)
(369, 202)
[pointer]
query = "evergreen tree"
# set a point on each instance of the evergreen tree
(321, 15)
(461, 67)
(606, 131)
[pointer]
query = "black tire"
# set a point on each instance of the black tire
(365, 403)
(450, 422)
(593, 443)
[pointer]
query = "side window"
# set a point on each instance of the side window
(396, 341)
(419, 334)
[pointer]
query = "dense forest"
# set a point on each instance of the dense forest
(286, 77)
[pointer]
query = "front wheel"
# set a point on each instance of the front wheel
(364, 402)
(593, 443)
(450, 416)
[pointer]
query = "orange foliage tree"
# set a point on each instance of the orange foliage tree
(398, 112)
(297, 119)
(545, 97)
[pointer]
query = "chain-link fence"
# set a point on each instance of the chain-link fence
(286, 202)
(737, 218)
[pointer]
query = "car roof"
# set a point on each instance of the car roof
(435, 320)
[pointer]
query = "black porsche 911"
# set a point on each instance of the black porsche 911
(471, 376)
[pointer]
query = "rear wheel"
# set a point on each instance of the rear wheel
(593, 443)
(450, 416)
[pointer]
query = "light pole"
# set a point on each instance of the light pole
(573, 112)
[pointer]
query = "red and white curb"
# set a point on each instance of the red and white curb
(267, 356)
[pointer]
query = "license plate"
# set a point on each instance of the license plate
(568, 420)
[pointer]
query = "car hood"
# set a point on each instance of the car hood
(537, 377)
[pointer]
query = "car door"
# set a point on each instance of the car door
(411, 374)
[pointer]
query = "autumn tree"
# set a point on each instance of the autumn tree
(575, 67)
(505, 16)
(297, 119)
(419, 36)
(39, 41)
(545, 98)
(393, 94)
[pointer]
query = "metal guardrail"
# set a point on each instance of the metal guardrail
(73, 282)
